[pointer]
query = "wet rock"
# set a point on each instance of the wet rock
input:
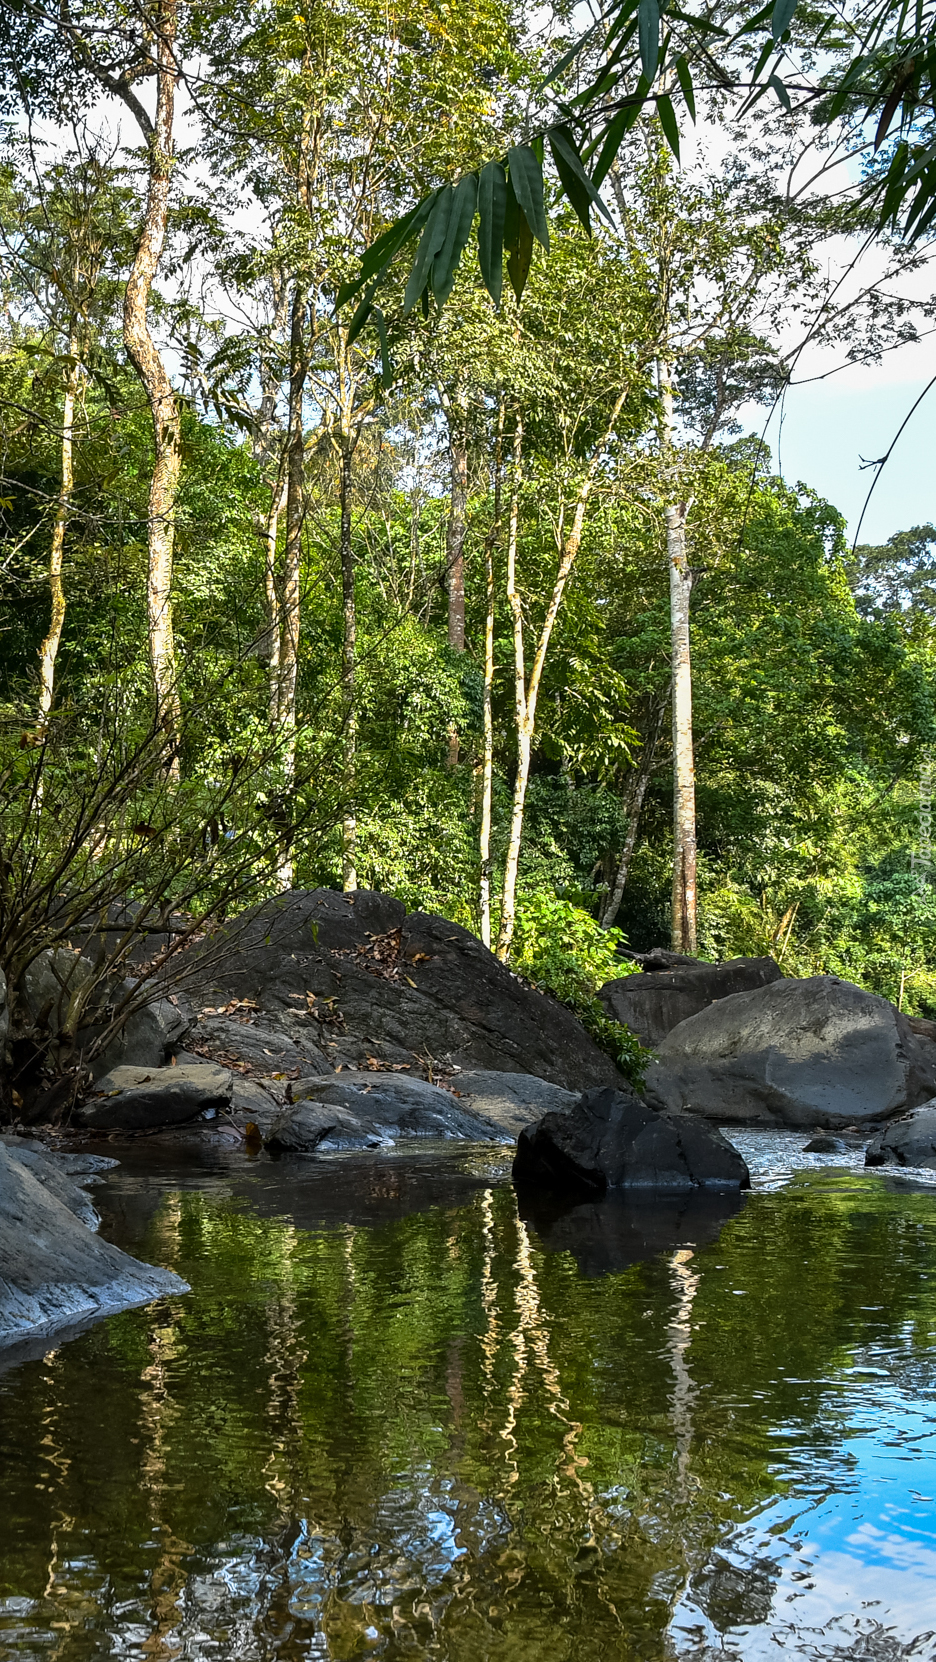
(908, 1141)
(818, 1052)
(512, 1100)
(399, 1107)
(653, 1003)
(53, 1270)
(611, 1139)
(825, 1144)
(365, 981)
(627, 1226)
(319, 1127)
(142, 1099)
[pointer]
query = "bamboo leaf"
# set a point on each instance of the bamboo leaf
(775, 82)
(685, 81)
(429, 244)
(461, 219)
(526, 177)
(386, 362)
(520, 256)
(781, 17)
(648, 29)
(378, 256)
(361, 316)
(669, 123)
(492, 203)
(571, 170)
(623, 121)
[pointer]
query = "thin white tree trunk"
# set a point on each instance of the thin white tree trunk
(455, 539)
(487, 774)
(527, 693)
(273, 606)
(149, 366)
(348, 674)
(684, 922)
(48, 651)
(290, 604)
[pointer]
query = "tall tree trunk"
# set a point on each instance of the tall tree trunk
(633, 804)
(48, 651)
(290, 608)
(526, 694)
(487, 773)
(684, 929)
(455, 538)
(274, 609)
(348, 673)
(149, 366)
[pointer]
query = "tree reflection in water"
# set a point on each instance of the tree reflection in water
(435, 1427)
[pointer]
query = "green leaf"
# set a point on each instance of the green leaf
(429, 244)
(571, 170)
(361, 315)
(685, 81)
(648, 29)
(669, 123)
(781, 17)
(775, 82)
(492, 203)
(461, 219)
(386, 362)
(526, 177)
(622, 123)
(378, 256)
(518, 243)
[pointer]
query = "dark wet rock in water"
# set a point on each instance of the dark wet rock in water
(627, 1226)
(54, 1271)
(142, 1099)
(653, 1003)
(909, 1141)
(362, 980)
(318, 1128)
(825, 1143)
(613, 1140)
(817, 1052)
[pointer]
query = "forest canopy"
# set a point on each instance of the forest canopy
(328, 556)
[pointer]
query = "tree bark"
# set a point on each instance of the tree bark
(634, 802)
(274, 607)
(348, 673)
(487, 774)
(684, 921)
(526, 694)
(455, 539)
(143, 353)
(290, 601)
(48, 651)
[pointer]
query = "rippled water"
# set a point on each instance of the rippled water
(395, 1418)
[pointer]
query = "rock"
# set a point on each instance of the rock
(627, 1226)
(512, 1100)
(653, 1003)
(825, 1144)
(818, 1052)
(363, 980)
(256, 1047)
(909, 1141)
(148, 1038)
(57, 1176)
(251, 1102)
(611, 1140)
(319, 1127)
(148, 1034)
(399, 1107)
(53, 1270)
(141, 1099)
(4, 1015)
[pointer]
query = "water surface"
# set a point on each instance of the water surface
(397, 1418)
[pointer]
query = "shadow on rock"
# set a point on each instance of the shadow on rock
(626, 1227)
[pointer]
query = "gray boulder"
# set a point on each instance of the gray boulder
(653, 1003)
(253, 1046)
(613, 1140)
(364, 980)
(512, 1100)
(319, 1127)
(54, 1271)
(399, 1107)
(909, 1141)
(142, 1099)
(147, 1037)
(819, 1052)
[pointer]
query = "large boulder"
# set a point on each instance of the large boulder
(817, 1052)
(148, 1035)
(512, 1100)
(366, 981)
(359, 1111)
(143, 1099)
(54, 1271)
(613, 1140)
(653, 1003)
(908, 1141)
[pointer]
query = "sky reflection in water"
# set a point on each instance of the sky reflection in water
(397, 1419)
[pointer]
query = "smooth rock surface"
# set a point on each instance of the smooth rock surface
(149, 1033)
(54, 1271)
(398, 1106)
(653, 1003)
(362, 979)
(909, 1141)
(613, 1140)
(140, 1099)
(319, 1127)
(817, 1052)
(255, 1047)
(512, 1100)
